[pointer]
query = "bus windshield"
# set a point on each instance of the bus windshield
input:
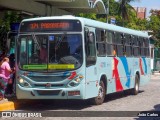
(50, 52)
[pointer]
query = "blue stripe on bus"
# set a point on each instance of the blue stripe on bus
(126, 68)
(145, 64)
(66, 74)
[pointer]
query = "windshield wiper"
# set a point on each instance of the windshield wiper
(59, 41)
(35, 39)
(58, 44)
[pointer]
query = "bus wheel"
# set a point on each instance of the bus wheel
(136, 85)
(101, 94)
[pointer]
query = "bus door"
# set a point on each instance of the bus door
(91, 69)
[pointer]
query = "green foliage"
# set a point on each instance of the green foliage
(9, 17)
(124, 8)
(154, 25)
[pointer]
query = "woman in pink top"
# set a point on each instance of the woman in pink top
(5, 72)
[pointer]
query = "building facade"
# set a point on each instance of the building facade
(141, 12)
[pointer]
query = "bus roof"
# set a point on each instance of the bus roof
(94, 23)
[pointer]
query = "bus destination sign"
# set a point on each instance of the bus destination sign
(45, 25)
(50, 25)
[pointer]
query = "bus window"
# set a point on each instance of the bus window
(119, 42)
(23, 53)
(117, 38)
(146, 42)
(110, 44)
(109, 37)
(141, 46)
(120, 50)
(135, 46)
(127, 39)
(128, 46)
(135, 40)
(101, 42)
(37, 45)
(146, 49)
(90, 49)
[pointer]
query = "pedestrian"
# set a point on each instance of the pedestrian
(5, 75)
(11, 86)
(43, 54)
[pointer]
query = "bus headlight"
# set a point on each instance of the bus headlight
(76, 81)
(21, 81)
(24, 83)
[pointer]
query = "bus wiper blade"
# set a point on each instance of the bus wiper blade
(35, 39)
(57, 45)
(59, 41)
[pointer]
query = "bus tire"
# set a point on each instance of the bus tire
(101, 94)
(135, 90)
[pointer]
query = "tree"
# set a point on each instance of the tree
(123, 12)
(124, 8)
(154, 25)
(9, 17)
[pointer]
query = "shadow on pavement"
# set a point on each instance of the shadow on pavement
(118, 95)
(35, 105)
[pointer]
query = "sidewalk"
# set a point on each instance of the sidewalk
(8, 104)
(155, 75)
(14, 104)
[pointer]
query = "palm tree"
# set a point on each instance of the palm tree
(124, 8)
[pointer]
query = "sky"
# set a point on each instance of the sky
(149, 4)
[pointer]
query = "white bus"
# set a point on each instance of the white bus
(84, 59)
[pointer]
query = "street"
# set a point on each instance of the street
(148, 99)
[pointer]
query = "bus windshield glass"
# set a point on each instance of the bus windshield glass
(50, 52)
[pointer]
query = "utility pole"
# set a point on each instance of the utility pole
(107, 10)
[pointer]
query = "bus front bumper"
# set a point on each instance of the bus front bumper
(54, 93)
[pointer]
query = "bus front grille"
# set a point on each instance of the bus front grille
(52, 85)
(48, 92)
(48, 78)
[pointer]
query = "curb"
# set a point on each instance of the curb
(12, 104)
(6, 106)
(15, 104)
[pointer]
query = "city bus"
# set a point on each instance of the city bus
(81, 59)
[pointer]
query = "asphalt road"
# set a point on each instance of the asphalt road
(121, 104)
